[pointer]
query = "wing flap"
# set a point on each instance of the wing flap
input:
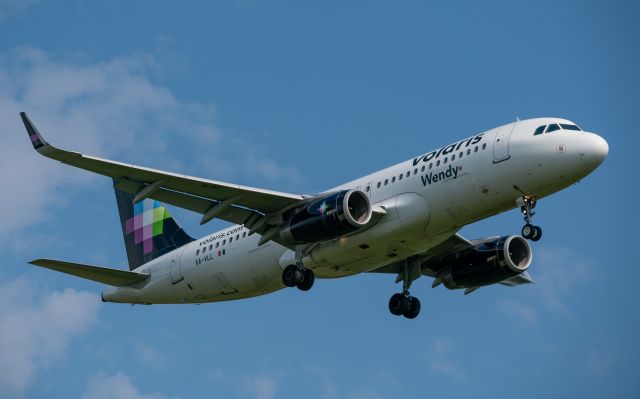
(190, 202)
(115, 277)
(454, 243)
(522, 278)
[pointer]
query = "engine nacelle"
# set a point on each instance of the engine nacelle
(489, 262)
(327, 217)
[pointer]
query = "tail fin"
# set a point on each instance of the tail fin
(148, 228)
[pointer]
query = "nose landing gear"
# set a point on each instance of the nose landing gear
(529, 231)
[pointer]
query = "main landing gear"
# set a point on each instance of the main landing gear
(529, 231)
(403, 303)
(297, 275)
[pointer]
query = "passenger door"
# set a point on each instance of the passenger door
(501, 143)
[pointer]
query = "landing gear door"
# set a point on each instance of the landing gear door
(501, 143)
(174, 267)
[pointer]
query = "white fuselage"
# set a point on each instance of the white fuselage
(427, 199)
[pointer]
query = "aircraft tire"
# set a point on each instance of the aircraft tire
(398, 304)
(528, 230)
(291, 276)
(537, 233)
(307, 280)
(414, 308)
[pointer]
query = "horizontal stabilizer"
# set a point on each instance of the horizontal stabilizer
(115, 277)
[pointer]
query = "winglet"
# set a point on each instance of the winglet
(34, 135)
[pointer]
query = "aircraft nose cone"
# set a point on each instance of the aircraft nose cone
(592, 149)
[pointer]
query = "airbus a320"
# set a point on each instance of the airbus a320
(402, 220)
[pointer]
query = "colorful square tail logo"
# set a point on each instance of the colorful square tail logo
(146, 223)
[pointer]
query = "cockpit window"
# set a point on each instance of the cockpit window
(539, 130)
(553, 127)
(570, 127)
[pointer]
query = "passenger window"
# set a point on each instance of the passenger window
(469, 151)
(453, 157)
(475, 149)
(204, 249)
(217, 244)
(400, 177)
(570, 127)
(244, 234)
(484, 146)
(237, 237)
(553, 127)
(415, 171)
(379, 184)
(422, 169)
(446, 159)
(393, 179)
(438, 163)
(408, 173)
(197, 252)
(224, 242)
(210, 247)
(430, 165)
(386, 181)
(460, 155)
(230, 240)
(539, 130)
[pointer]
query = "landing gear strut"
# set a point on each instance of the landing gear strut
(529, 231)
(403, 303)
(297, 275)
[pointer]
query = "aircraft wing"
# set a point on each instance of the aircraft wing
(213, 199)
(453, 244)
(432, 260)
(115, 277)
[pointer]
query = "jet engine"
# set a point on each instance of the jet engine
(488, 262)
(327, 217)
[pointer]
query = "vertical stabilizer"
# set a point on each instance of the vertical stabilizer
(149, 229)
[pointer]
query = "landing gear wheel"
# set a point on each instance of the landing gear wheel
(414, 308)
(308, 277)
(537, 233)
(528, 231)
(292, 276)
(398, 304)
(526, 204)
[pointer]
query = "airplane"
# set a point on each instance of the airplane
(402, 220)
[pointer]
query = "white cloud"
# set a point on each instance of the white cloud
(440, 360)
(557, 271)
(35, 329)
(260, 386)
(148, 355)
(600, 363)
(113, 109)
(256, 385)
(522, 311)
(8, 7)
(116, 386)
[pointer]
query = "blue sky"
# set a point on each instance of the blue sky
(301, 96)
